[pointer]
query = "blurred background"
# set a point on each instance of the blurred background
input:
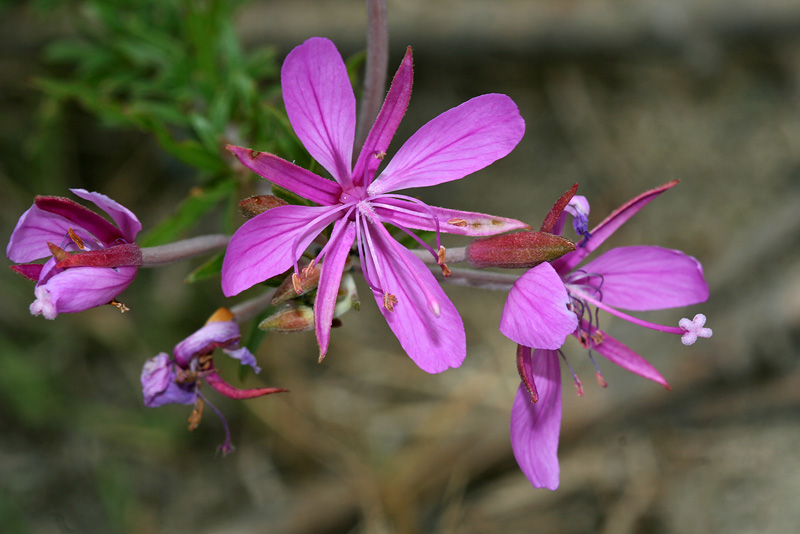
(136, 100)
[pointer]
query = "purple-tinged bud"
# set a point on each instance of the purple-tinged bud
(518, 250)
(258, 204)
(291, 318)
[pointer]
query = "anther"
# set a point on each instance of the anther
(120, 306)
(76, 239)
(379, 155)
(461, 223)
(600, 380)
(197, 414)
(389, 301)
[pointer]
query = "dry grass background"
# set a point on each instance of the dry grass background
(618, 96)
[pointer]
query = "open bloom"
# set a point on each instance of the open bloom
(91, 261)
(177, 380)
(321, 107)
(633, 278)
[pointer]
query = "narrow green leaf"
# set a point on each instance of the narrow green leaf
(208, 269)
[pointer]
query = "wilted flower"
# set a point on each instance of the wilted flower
(320, 104)
(91, 261)
(177, 380)
(634, 278)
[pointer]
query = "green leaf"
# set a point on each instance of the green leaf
(191, 210)
(210, 268)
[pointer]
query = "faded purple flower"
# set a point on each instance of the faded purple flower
(177, 380)
(91, 261)
(320, 104)
(635, 278)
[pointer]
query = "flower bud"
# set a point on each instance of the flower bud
(291, 317)
(258, 204)
(518, 250)
(306, 281)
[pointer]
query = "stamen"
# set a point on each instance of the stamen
(461, 223)
(76, 239)
(226, 447)
(694, 329)
(598, 375)
(315, 225)
(197, 413)
(120, 306)
(419, 203)
(575, 379)
(389, 301)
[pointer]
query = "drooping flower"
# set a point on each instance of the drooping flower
(321, 107)
(177, 380)
(91, 261)
(635, 278)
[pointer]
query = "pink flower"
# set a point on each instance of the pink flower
(177, 380)
(91, 261)
(321, 107)
(634, 278)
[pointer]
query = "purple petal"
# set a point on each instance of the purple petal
(205, 340)
(331, 276)
(536, 314)
(450, 221)
(392, 111)
(79, 289)
(434, 343)
(648, 278)
(615, 352)
(605, 229)
(458, 142)
(244, 356)
(321, 105)
(159, 386)
(33, 231)
(264, 246)
(81, 217)
(288, 175)
(535, 428)
(126, 221)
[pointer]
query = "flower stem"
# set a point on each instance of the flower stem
(375, 70)
(182, 250)
(244, 311)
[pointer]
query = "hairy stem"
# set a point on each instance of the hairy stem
(182, 250)
(375, 70)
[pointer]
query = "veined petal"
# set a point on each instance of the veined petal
(450, 221)
(535, 313)
(264, 246)
(81, 288)
(331, 276)
(605, 229)
(34, 230)
(205, 340)
(288, 175)
(81, 217)
(126, 221)
(616, 352)
(648, 278)
(458, 142)
(392, 111)
(321, 105)
(535, 428)
(434, 343)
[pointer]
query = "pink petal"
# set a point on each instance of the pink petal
(450, 221)
(392, 111)
(81, 288)
(321, 105)
(159, 386)
(458, 142)
(288, 175)
(331, 276)
(33, 231)
(535, 428)
(648, 278)
(605, 229)
(214, 335)
(615, 352)
(536, 314)
(126, 221)
(434, 343)
(263, 247)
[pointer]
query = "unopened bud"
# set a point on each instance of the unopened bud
(306, 281)
(518, 250)
(222, 315)
(347, 297)
(258, 204)
(290, 318)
